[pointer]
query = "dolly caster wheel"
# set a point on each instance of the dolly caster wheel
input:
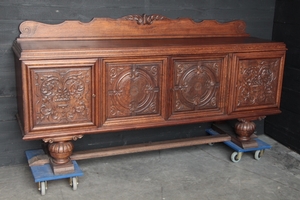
(236, 156)
(258, 154)
(42, 187)
(74, 182)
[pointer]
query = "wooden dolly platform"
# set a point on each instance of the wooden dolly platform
(44, 173)
(237, 155)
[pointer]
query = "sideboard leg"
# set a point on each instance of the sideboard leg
(242, 134)
(60, 153)
(60, 150)
(244, 129)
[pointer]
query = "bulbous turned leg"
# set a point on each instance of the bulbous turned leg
(242, 133)
(60, 153)
(60, 150)
(244, 130)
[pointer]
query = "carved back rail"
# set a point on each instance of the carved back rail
(131, 27)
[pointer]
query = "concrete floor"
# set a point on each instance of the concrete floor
(202, 172)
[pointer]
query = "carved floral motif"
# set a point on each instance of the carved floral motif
(144, 19)
(196, 86)
(133, 89)
(257, 82)
(62, 95)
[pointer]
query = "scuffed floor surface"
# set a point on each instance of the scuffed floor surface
(201, 173)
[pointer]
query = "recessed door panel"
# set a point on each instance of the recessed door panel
(198, 85)
(257, 81)
(61, 94)
(133, 89)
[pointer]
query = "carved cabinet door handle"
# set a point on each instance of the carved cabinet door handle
(93, 95)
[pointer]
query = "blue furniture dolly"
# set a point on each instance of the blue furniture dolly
(43, 173)
(237, 155)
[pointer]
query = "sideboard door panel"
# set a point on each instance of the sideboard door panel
(256, 82)
(198, 86)
(133, 89)
(61, 93)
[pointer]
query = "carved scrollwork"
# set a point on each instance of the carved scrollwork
(257, 82)
(62, 139)
(27, 28)
(62, 96)
(133, 89)
(241, 27)
(144, 19)
(196, 85)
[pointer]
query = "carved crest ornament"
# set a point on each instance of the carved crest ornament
(144, 19)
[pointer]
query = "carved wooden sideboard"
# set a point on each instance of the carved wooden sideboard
(138, 72)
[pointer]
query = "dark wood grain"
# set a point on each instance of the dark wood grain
(257, 14)
(95, 82)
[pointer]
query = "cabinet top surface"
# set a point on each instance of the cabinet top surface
(45, 49)
(137, 43)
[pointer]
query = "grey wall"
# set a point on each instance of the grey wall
(285, 127)
(258, 15)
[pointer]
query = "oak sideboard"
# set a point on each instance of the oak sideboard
(141, 71)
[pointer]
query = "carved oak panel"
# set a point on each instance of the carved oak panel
(196, 85)
(62, 96)
(257, 81)
(133, 89)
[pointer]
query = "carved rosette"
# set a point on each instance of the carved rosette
(257, 82)
(244, 129)
(133, 89)
(61, 152)
(197, 85)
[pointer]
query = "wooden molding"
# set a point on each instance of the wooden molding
(132, 27)
(62, 139)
